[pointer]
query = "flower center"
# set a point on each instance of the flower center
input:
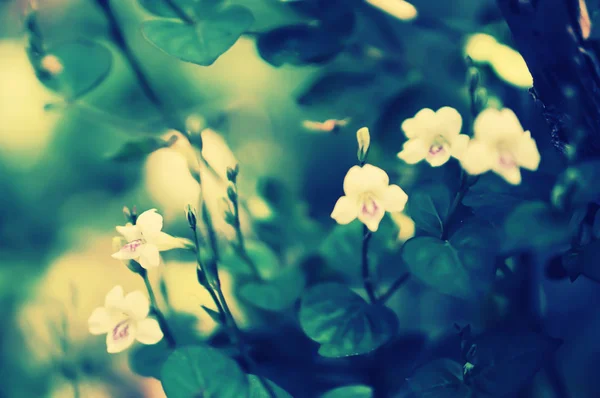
(132, 246)
(121, 330)
(369, 205)
(437, 146)
(507, 160)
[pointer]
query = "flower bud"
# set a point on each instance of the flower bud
(480, 96)
(190, 214)
(232, 173)
(194, 124)
(231, 193)
(364, 142)
(473, 78)
(127, 213)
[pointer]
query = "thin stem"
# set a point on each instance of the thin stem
(159, 316)
(242, 347)
(118, 37)
(367, 282)
(241, 246)
(462, 191)
(398, 283)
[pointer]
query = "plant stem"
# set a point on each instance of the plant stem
(395, 286)
(367, 282)
(159, 316)
(241, 246)
(462, 191)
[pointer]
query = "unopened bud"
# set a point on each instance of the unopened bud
(480, 97)
(231, 193)
(232, 173)
(127, 213)
(364, 142)
(473, 78)
(190, 214)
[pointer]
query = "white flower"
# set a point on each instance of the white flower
(433, 136)
(124, 319)
(500, 145)
(145, 240)
(368, 197)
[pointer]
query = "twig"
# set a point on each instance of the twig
(181, 14)
(159, 316)
(394, 287)
(367, 282)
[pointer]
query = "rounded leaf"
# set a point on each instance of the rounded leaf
(277, 294)
(257, 390)
(428, 206)
(343, 323)
(357, 391)
(196, 371)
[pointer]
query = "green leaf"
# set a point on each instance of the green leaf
(330, 85)
(257, 390)
(215, 316)
(536, 225)
(461, 267)
(583, 261)
(343, 323)
(428, 206)
(136, 150)
(441, 378)
(357, 391)
(202, 371)
(262, 256)
(298, 45)
(203, 42)
(504, 361)
(578, 185)
(199, 8)
(276, 294)
(147, 360)
(85, 64)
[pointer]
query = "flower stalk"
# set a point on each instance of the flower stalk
(157, 313)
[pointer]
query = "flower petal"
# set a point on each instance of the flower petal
(100, 321)
(450, 122)
(439, 157)
(394, 199)
(130, 251)
(130, 232)
(149, 256)
(458, 145)
(493, 125)
(120, 337)
(419, 124)
(526, 153)
(148, 331)
(345, 210)
(137, 305)
(164, 241)
(512, 175)
(150, 222)
(364, 179)
(413, 151)
(478, 158)
(114, 298)
(373, 218)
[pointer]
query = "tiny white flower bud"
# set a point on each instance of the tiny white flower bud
(364, 142)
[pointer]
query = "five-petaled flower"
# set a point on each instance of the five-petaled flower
(500, 144)
(145, 240)
(433, 136)
(368, 195)
(124, 319)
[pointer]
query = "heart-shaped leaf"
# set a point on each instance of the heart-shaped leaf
(147, 360)
(463, 267)
(203, 42)
(428, 206)
(81, 66)
(199, 8)
(257, 390)
(262, 256)
(343, 323)
(196, 371)
(357, 391)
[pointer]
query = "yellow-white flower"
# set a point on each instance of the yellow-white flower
(500, 144)
(124, 319)
(433, 136)
(368, 195)
(145, 240)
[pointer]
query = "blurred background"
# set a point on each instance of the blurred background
(62, 191)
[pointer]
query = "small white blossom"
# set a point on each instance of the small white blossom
(124, 319)
(145, 240)
(433, 136)
(368, 195)
(500, 144)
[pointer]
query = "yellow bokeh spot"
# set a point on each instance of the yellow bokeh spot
(400, 9)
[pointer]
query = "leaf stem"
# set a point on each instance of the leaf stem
(159, 316)
(367, 282)
(181, 14)
(398, 283)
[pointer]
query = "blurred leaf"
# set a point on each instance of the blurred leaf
(504, 361)
(136, 150)
(214, 315)
(333, 84)
(441, 378)
(343, 323)
(492, 206)
(536, 224)
(578, 185)
(202, 371)
(203, 42)
(357, 391)
(298, 45)
(583, 261)
(461, 267)
(428, 206)
(85, 64)
(200, 8)
(276, 294)
(257, 390)
(147, 360)
(262, 256)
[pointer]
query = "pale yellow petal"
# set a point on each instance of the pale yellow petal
(420, 124)
(493, 125)
(394, 199)
(150, 222)
(372, 218)
(149, 256)
(114, 298)
(413, 151)
(137, 305)
(458, 145)
(345, 210)
(148, 331)
(439, 157)
(526, 153)
(130, 232)
(100, 321)
(450, 122)
(364, 179)
(478, 158)
(512, 175)
(130, 251)
(120, 337)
